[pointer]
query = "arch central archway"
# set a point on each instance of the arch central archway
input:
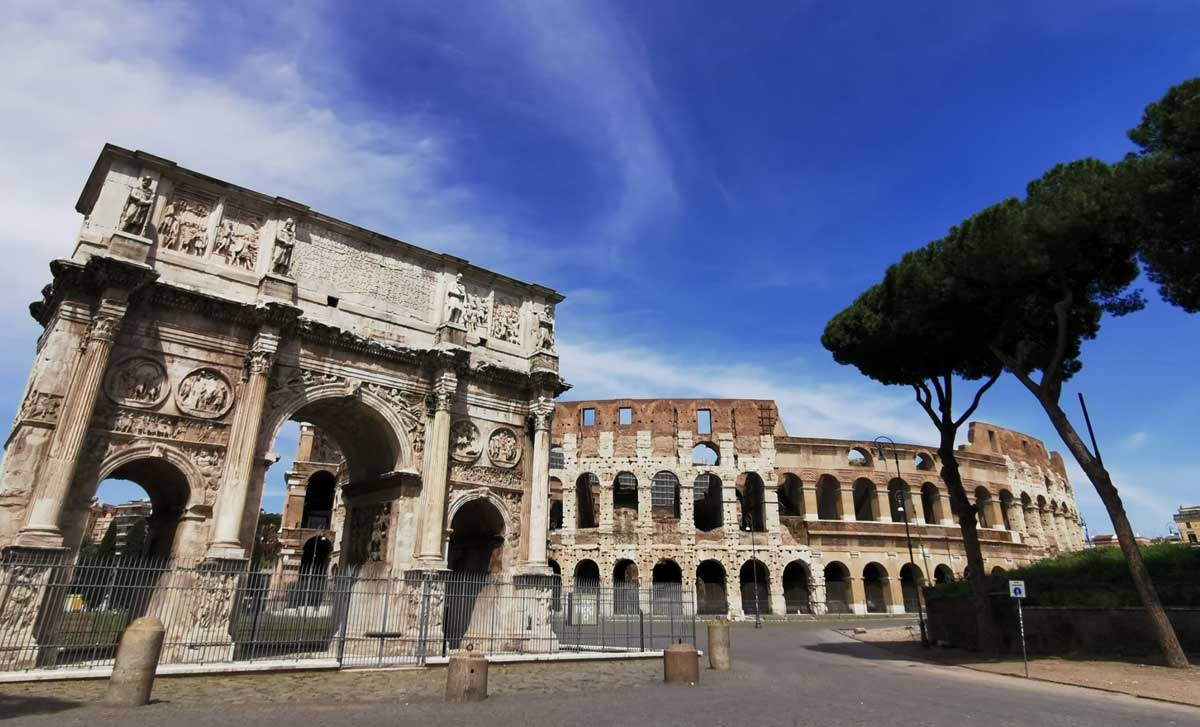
(168, 489)
(477, 534)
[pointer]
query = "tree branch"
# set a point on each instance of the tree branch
(925, 399)
(1052, 375)
(975, 403)
(1013, 368)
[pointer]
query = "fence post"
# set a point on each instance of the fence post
(423, 625)
(642, 629)
(387, 598)
(343, 583)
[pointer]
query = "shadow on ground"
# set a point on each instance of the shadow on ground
(20, 706)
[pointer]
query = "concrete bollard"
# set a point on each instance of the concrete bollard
(137, 658)
(466, 678)
(681, 665)
(718, 646)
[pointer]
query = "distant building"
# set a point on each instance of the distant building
(124, 517)
(99, 518)
(1110, 541)
(1188, 520)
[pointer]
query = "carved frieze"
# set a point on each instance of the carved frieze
(477, 316)
(208, 463)
(412, 414)
(164, 426)
(369, 529)
(330, 260)
(490, 476)
(464, 441)
(42, 407)
(237, 238)
(184, 225)
(137, 381)
(506, 319)
(21, 601)
(504, 449)
(205, 393)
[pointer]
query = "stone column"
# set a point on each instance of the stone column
(947, 511)
(1033, 524)
(885, 505)
(41, 526)
(243, 444)
(811, 507)
(858, 595)
(895, 591)
(542, 413)
(995, 514)
(847, 495)
(1016, 517)
(430, 554)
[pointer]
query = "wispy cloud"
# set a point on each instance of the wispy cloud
(598, 83)
(808, 408)
(76, 76)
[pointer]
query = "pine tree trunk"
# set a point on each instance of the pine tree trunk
(1164, 633)
(988, 634)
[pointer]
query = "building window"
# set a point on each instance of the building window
(588, 417)
(625, 416)
(664, 490)
(557, 460)
(992, 441)
(704, 421)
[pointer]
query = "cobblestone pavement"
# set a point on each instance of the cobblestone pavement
(784, 674)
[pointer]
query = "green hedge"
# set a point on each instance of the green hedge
(1099, 578)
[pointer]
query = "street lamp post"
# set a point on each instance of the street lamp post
(902, 507)
(754, 570)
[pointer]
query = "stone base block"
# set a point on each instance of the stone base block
(127, 246)
(277, 287)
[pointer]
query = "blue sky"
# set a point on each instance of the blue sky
(707, 182)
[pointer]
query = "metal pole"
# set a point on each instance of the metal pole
(903, 506)
(1021, 625)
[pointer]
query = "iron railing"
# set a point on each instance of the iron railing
(72, 615)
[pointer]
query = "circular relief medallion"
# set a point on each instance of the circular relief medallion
(137, 381)
(205, 393)
(504, 449)
(464, 441)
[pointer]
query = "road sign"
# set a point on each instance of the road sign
(1016, 589)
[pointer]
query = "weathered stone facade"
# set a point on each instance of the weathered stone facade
(816, 514)
(194, 317)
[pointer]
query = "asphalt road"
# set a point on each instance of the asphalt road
(785, 674)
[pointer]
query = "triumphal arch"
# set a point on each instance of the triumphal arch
(194, 317)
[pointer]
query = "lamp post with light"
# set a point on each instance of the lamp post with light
(902, 507)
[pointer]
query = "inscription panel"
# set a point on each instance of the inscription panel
(327, 258)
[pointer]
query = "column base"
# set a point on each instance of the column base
(225, 552)
(533, 570)
(452, 333)
(27, 574)
(277, 287)
(39, 539)
(127, 246)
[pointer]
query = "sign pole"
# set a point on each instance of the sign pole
(1021, 625)
(1016, 591)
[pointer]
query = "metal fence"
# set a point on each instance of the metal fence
(72, 616)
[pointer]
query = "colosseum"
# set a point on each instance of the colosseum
(717, 496)
(828, 536)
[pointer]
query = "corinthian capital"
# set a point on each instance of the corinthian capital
(258, 362)
(442, 395)
(106, 321)
(542, 413)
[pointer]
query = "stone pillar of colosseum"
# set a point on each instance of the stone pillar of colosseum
(243, 441)
(847, 495)
(539, 491)
(41, 525)
(884, 504)
(811, 508)
(895, 592)
(858, 595)
(946, 510)
(430, 555)
(1016, 516)
(1033, 524)
(995, 516)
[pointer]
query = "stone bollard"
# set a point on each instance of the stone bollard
(718, 646)
(681, 665)
(137, 658)
(466, 678)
